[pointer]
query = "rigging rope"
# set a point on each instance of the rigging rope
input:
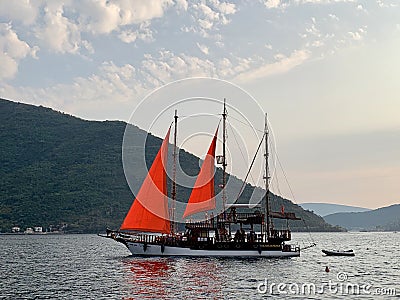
(231, 117)
(251, 165)
(240, 149)
(275, 179)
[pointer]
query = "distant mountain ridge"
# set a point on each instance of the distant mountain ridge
(324, 209)
(385, 218)
(59, 170)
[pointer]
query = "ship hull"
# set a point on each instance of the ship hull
(141, 249)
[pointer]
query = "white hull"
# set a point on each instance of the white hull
(156, 250)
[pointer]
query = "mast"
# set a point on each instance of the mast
(173, 193)
(267, 206)
(224, 114)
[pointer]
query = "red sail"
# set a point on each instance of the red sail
(149, 211)
(203, 197)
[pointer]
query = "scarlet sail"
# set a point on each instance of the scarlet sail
(202, 197)
(149, 211)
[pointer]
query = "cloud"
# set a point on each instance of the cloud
(274, 3)
(12, 50)
(203, 48)
(59, 25)
(224, 8)
(21, 11)
(9, 66)
(74, 26)
(110, 81)
(357, 35)
(102, 17)
(281, 65)
(210, 15)
(57, 32)
(168, 66)
(61, 31)
(269, 46)
(334, 17)
(359, 7)
(144, 33)
(182, 4)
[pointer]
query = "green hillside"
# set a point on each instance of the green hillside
(58, 169)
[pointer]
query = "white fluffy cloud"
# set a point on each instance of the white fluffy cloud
(182, 4)
(59, 25)
(109, 82)
(210, 14)
(168, 66)
(273, 3)
(58, 33)
(102, 17)
(63, 25)
(12, 50)
(143, 33)
(83, 26)
(22, 11)
(9, 66)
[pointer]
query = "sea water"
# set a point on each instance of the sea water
(91, 267)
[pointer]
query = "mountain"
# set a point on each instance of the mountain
(57, 170)
(324, 209)
(385, 218)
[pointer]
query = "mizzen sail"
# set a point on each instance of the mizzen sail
(149, 211)
(202, 197)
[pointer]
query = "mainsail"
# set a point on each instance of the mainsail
(149, 211)
(202, 197)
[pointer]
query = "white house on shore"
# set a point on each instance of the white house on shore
(15, 229)
(29, 230)
(38, 229)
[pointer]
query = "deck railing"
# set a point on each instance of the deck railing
(207, 224)
(281, 234)
(234, 217)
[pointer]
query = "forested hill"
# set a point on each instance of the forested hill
(58, 169)
(382, 219)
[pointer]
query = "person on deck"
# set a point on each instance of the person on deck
(242, 235)
(238, 237)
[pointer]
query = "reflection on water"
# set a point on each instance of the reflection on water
(148, 277)
(167, 278)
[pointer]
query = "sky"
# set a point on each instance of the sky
(326, 71)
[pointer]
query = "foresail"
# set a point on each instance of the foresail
(149, 211)
(202, 197)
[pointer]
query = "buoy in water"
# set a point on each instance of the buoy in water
(327, 269)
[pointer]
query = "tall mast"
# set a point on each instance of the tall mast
(224, 114)
(173, 193)
(267, 206)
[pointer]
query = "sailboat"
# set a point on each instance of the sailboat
(149, 229)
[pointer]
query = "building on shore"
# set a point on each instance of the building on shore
(15, 229)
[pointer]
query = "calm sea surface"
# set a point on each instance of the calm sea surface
(90, 267)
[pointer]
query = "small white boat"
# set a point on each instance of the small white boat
(339, 252)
